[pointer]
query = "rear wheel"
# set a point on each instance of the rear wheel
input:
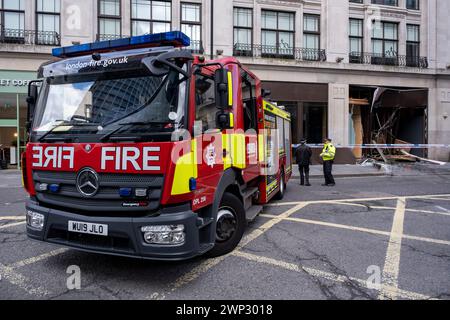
(280, 194)
(230, 225)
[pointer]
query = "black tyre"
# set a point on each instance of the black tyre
(280, 194)
(230, 225)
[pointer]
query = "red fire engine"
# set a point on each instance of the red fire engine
(138, 148)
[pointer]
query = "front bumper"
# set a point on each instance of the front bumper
(124, 234)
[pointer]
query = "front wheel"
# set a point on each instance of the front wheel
(230, 225)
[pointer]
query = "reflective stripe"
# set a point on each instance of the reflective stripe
(236, 151)
(261, 148)
(276, 110)
(230, 89)
(185, 169)
(231, 120)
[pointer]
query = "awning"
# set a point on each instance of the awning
(400, 98)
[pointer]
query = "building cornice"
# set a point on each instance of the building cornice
(344, 68)
(281, 3)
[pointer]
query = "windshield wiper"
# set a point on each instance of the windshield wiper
(136, 123)
(65, 123)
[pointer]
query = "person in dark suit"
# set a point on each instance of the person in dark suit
(303, 155)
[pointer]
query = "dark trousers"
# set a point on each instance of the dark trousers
(304, 173)
(327, 169)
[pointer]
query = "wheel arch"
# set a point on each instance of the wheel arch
(227, 183)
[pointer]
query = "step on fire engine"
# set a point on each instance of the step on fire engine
(138, 148)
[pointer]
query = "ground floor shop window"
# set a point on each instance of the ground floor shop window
(309, 120)
(10, 134)
(397, 116)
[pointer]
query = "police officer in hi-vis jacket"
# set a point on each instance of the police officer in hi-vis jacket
(328, 154)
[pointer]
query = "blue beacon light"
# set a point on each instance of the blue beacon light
(174, 38)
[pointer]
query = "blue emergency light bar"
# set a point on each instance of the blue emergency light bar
(173, 39)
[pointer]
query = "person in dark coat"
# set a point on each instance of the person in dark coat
(303, 155)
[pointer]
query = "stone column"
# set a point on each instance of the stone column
(223, 27)
(335, 29)
(402, 38)
(30, 17)
(338, 113)
(176, 15)
(78, 21)
(126, 18)
(439, 120)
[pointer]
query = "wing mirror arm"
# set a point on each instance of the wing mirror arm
(33, 93)
(161, 64)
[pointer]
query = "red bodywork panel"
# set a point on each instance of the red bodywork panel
(129, 158)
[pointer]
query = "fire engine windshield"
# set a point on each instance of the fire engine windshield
(129, 101)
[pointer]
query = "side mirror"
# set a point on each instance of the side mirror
(224, 88)
(33, 94)
(224, 120)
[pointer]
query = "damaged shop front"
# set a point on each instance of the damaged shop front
(388, 116)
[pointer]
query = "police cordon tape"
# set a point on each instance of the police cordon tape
(381, 146)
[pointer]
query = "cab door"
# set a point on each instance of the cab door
(208, 140)
(250, 125)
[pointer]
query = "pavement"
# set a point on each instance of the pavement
(376, 237)
(343, 170)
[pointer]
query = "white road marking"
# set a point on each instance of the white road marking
(326, 275)
(443, 209)
(353, 228)
(36, 259)
(280, 204)
(208, 264)
(391, 208)
(425, 211)
(329, 224)
(15, 278)
(12, 218)
(441, 199)
(196, 272)
(21, 281)
(423, 239)
(12, 225)
(392, 262)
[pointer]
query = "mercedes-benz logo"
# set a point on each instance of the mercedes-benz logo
(87, 182)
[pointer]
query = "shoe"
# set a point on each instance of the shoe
(308, 185)
(332, 185)
(302, 184)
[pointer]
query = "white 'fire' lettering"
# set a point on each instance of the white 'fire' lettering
(53, 157)
(127, 158)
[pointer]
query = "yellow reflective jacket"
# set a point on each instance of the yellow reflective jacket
(328, 152)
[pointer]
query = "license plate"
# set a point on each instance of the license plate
(88, 228)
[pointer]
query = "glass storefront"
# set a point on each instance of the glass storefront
(13, 111)
(308, 105)
(309, 120)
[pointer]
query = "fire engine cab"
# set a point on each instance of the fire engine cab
(138, 148)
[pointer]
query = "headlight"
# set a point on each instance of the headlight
(165, 234)
(35, 220)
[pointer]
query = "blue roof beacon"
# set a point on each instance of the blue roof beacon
(174, 39)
